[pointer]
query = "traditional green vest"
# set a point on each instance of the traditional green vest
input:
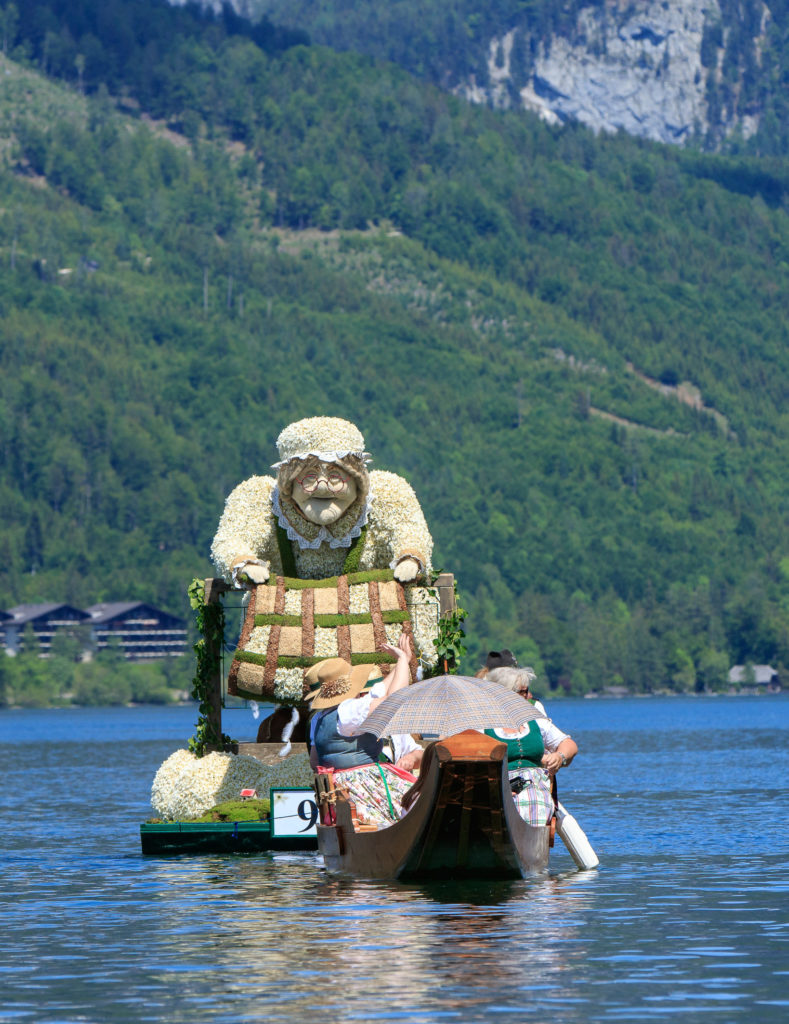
(525, 752)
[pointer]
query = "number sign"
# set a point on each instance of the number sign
(293, 812)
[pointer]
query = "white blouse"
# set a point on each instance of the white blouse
(551, 736)
(352, 713)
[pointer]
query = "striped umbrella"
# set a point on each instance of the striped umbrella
(445, 705)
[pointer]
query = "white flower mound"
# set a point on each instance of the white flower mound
(186, 786)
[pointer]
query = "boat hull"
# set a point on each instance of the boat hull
(464, 824)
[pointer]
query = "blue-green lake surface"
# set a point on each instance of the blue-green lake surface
(686, 802)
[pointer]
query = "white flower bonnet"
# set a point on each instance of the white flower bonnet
(328, 438)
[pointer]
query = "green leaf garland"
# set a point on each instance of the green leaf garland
(210, 622)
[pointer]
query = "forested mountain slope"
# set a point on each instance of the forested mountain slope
(711, 71)
(574, 348)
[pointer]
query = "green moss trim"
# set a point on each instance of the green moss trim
(329, 621)
(354, 556)
(294, 584)
(395, 615)
(286, 553)
(270, 619)
(237, 810)
(250, 657)
(368, 576)
(372, 658)
(351, 619)
(358, 618)
(371, 576)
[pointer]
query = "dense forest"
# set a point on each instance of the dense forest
(28, 680)
(573, 347)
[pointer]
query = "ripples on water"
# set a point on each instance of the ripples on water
(685, 802)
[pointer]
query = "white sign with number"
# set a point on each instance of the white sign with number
(293, 812)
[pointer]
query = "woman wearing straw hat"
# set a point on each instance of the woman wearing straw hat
(343, 697)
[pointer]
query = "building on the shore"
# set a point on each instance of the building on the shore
(140, 630)
(46, 620)
(136, 629)
(755, 678)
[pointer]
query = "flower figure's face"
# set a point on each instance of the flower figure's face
(323, 492)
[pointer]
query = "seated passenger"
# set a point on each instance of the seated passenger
(501, 659)
(497, 659)
(343, 700)
(535, 752)
(410, 796)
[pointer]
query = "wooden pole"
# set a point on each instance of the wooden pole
(445, 587)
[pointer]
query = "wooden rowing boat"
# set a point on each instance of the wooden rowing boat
(465, 823)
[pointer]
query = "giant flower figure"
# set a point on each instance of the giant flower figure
(326, 548)
(323, 511)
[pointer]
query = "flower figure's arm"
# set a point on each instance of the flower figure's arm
(400, 524)
(245, 543)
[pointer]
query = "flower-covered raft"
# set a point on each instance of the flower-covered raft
(186, 786)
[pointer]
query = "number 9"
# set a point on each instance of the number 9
(308, 811)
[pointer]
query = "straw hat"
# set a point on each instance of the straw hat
(332, 681)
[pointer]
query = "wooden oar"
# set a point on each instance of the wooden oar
(574, 838)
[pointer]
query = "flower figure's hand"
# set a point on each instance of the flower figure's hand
(407, 570)
(252, 573)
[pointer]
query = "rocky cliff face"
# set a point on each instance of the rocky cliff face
(632, 66)
(668, 70)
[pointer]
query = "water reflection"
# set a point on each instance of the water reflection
(688, 915)
(429, 950)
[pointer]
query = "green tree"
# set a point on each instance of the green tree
(713, 671)
(100, 682)
(4, 680)
(9, 26)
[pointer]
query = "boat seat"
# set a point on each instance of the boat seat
(470, 745)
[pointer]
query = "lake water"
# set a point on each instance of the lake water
(686, 802)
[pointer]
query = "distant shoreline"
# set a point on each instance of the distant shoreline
(595, 695)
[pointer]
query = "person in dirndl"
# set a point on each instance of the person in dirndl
(535, 752)
(374, 774)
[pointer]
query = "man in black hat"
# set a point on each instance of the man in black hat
(501, 659)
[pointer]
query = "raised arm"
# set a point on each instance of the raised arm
(400, 676)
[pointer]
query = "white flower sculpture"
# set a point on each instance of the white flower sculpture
(186, 786)
(396, 534)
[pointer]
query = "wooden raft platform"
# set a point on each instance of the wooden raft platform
(227, 836)
(218, 837)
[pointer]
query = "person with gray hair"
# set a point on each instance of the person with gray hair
(535, 752)
(518, 680)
